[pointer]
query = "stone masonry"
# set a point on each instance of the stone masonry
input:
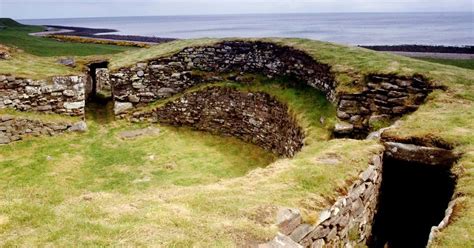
(64, 95)
(385, 97)
(16, 128)
(347, 223)
(160, 78)
(253, 117)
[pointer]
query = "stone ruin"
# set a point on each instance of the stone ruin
(254, 117)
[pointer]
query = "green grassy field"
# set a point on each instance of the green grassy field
(17, 35)
(463, 63)
(188, 189)
(90, 189)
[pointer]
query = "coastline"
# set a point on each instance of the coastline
(101, 34)
(414, 51)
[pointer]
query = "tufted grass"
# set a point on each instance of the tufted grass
(103, 208)
(40, 116)
(98, 190)
(180, 188)
(463, 63)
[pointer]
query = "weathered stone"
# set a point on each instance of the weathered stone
(32, 90)
(74, 105)
(281, 241)
(166, 91)
(288, 219)
(133, 99)
(4, 140)
(325, 215)
(318, 244)
(4, 118)
(78, 127)
(301, 232)
(343, 128)
(122, 107)
(69, 93)
(44, 108)
(342, 115)
(420, 154)
(67, 62)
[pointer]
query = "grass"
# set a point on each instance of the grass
(463, 63)
(180, 188)
(17, 35)
(40, 116)
(69, 201)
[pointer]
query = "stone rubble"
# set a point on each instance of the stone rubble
(16, 128)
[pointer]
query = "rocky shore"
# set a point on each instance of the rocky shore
(101, 33)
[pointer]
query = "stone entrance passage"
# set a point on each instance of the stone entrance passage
(413, 197)
(99, 104)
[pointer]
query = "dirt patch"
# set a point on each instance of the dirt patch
(133, 134)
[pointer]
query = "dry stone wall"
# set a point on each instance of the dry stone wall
(16, 128)
(348, 223)
(385, 97)
(253, 117)
(156, 79)
(64, 95)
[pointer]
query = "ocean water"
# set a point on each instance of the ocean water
(345, 28)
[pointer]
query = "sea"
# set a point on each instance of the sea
(455, 29)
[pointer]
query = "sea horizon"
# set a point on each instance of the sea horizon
(350, 28)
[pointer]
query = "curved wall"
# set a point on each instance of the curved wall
(253, 117)
(160, 78)
(386, 97)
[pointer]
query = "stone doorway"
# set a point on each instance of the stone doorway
(99, 103)
(413, 199)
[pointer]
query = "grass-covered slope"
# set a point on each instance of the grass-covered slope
(463, 63)
(93, 192)
(178, 188)
(17, 35)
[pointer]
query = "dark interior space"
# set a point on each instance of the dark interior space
(99, 104)
(413, 199)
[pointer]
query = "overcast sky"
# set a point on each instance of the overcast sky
(28, 9)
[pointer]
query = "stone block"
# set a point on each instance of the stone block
(288, 219)
(122, 107)
(343, 128)
(281, 241)
(301, 232)
(74, 105)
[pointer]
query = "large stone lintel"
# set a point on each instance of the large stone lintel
(420, 154)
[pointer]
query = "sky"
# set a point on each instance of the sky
(35, 9)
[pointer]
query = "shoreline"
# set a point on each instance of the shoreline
(101, 33)
(414, 51)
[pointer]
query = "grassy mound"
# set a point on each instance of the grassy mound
(17, 35)
(99, 190)
(98, 184)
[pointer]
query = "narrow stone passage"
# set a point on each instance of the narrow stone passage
(413, 198)
(99, 104)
